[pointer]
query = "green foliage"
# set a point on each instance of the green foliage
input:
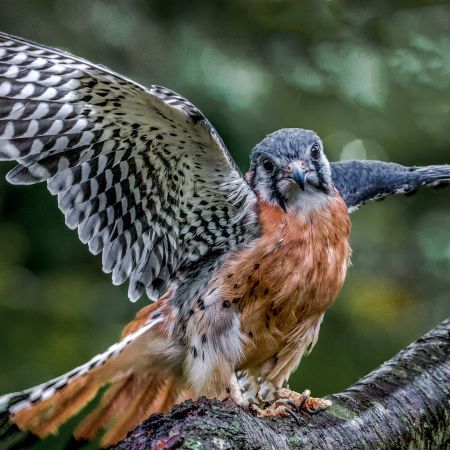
(372, 78)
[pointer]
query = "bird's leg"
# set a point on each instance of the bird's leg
(235, 390)
(275, 372)
(248, 386)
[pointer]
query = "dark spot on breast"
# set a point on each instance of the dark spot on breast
(226, 303)
(204, 339)
(194, 352)
(250, 335)
(236, 299)
(191, 312)
(266, 291)
(256, 266)
(229, 275)
(236, 286)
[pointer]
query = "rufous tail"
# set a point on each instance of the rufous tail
(141, 383)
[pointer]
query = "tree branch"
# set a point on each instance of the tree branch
(405, 403)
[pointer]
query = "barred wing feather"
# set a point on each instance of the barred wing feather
(140, 172)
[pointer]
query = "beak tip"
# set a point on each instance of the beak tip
(299, 177)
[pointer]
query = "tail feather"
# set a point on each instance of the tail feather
(110, 404)
(142, 394)
(44, 408)
(133, 412)
(126, 404)
(48, 415)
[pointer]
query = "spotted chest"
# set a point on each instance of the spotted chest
(294, 271)
(262, 294)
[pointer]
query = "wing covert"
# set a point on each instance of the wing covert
(140, 172)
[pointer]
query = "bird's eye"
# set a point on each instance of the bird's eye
(315, 151)
(268, 165)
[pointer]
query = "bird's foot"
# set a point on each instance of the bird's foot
(304, 402)
(290, 403)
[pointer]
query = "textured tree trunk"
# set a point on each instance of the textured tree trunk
(405, 403)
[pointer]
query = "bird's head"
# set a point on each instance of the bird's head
(289, 169)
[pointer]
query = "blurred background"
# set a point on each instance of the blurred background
(372, 78)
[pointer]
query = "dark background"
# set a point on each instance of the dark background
(372, 78)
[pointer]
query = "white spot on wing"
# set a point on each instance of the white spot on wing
(32, 130)
(8, 132)
(56, 127)
(27, 91)
(41, 111)
(10, 150)
(11, 72)
(5, 88)
(31, 77)
(18, 58)
(79, 126)
(36, 147)
(48, 94)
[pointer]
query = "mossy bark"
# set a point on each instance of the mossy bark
(404, 404)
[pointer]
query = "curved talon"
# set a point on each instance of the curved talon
(305, 394)
(292, 414)
(291, 402)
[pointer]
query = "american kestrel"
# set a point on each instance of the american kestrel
(240, 270)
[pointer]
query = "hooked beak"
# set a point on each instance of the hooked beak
(296, 172)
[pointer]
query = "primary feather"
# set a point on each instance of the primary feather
(361, 181)
(140, 172)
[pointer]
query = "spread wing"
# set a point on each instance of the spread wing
(140, 172)
(361, 181)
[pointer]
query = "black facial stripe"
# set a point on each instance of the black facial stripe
(322, 185)
(276, 194)
(251, 180)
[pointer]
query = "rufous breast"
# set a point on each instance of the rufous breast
(294, 270)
